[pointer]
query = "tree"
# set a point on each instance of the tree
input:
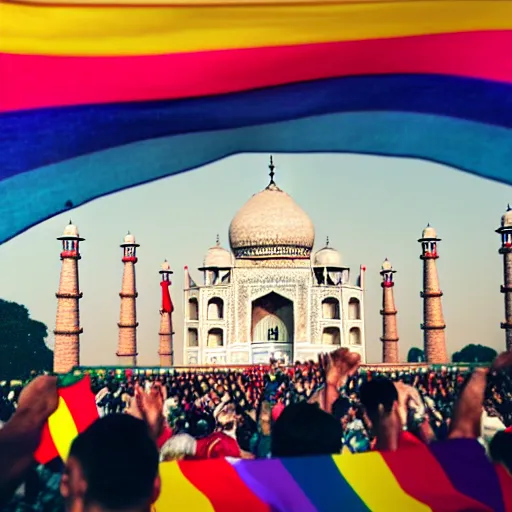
(415, 355)
(474, 354)
(22, 342)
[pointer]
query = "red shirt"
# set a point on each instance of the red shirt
(216, 446)
(407, 439)
(277, 410)
(164, 436)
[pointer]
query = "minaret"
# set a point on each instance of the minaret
(505, 230)
(390, 351)
(165, 350)
(433, 322)
(67, 332)
(127, 344)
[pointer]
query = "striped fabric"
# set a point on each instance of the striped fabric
(75, 412)
(450, 476)
(95, 98)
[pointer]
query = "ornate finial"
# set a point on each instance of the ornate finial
(428, 224)
(128, 232)
(217, 241)
(70, 222)
(508, 207)
(272, 173)
(327, 242)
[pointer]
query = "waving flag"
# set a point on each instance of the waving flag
(452, 477)
(95, 99)
(75, 412)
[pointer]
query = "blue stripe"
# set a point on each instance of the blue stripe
(477, 148)
(323, 484)
(32, 139)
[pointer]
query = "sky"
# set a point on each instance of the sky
(371, 208)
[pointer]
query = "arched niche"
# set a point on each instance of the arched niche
(192, 338)
(331, 336)
(354, 309)
(215, 338)
(272, 319)
(354, 336)
(193, 309)
(215, 308)
(331, 308)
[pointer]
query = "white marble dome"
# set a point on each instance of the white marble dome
(129, 238)
(506, 219)
(271, 225)
(327, 257)
(71, 230)
(218, 257)
(429, 232)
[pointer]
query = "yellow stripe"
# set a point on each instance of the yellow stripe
(178, 493)
(362, 471)
(62, 428)
(119, 30)
(200, 3)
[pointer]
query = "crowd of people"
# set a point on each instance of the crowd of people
(274, 410)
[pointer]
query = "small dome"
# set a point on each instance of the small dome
(71, 230)
(129, 238)
(218, 257)
(165, 266)
(506, 219)
(327, 257)
(429, 232)
(386, 265)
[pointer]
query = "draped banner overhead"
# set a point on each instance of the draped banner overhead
(98, 98)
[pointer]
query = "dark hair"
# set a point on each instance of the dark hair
(379, 391)
(119, 460)
(500, 449)
(304, 429)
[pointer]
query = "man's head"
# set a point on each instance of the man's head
(113, 465)
(225, 416)
(304, 429)
(380, 399)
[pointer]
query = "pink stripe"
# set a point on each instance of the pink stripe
(38, 81)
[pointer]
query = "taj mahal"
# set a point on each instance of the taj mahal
(270, 295)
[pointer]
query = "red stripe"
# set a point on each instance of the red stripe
(46, 450)
(81, 403)
(505, 479)
(426, 481)
(220, 483)
(39, 81)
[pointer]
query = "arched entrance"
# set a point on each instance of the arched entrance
(272, 319)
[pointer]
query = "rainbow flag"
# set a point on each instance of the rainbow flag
(450, 476)
(75, 412)
(95, 98)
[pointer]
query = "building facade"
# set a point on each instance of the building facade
(270, 295)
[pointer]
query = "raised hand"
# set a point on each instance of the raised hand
(342, 364)
(503, 361)
(38, 399)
